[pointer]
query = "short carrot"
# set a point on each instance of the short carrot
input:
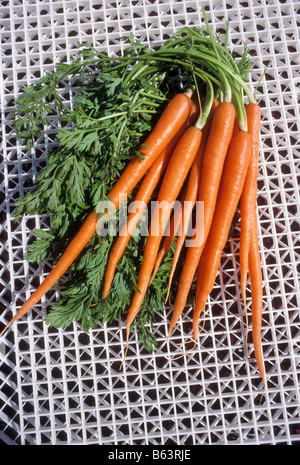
(232, 182)
(249, 247)
(173, 117)
(212, 167)
(174, 177)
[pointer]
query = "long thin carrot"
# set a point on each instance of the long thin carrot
(191, 195)
(212, 167)
(249, 247)
(187, 208)
(174, 177)
(142, 198)
(232, 183)
(248, 197)
(256, 294)
(173, 117)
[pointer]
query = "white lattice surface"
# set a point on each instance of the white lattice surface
(64, 386)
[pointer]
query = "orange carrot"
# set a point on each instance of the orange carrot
(249, 248)
(143, 196)
(173, 117)
(256, 294)
(175, 223)
(191, 196)
(232, 182)
(175, 175)
(212, 167)
(174, 226)
(248, 197)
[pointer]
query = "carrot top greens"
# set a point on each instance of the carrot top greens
(115, 101)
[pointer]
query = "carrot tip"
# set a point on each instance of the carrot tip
(8, 325)
(247, 320)
(126, 350)
(261, 398)
(167, 297)
(157, 264)
(183, 343)
(95, 303)
(150, 282)
(170, 330)
(185, 353)
(5, 329)
(198, 331)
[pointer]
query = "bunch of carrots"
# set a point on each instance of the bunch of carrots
(200, 150)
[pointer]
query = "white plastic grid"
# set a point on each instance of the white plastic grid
(64, 386)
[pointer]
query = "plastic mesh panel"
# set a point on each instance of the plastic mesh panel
(64, 386)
